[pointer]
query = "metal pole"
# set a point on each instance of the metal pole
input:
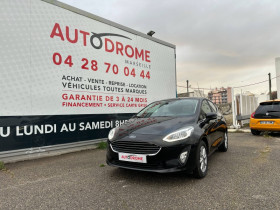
(233, 107)
(187, 88)
(269, 79)
(241, 103)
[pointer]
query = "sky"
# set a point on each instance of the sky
(227, 43)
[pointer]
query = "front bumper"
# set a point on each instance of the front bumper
(166, 160)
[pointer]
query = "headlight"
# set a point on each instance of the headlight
(179, 135)
(112, 133)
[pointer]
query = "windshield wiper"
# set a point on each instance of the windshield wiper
(272, 111)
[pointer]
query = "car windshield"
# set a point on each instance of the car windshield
(174, 108)
(268, 109)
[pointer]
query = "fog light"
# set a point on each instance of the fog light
(183, 157)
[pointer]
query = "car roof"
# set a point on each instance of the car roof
(275, 100)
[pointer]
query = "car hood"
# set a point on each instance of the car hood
(154, 126)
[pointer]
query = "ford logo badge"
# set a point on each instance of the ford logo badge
(132, 137)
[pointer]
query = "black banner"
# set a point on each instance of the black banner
(21, 132)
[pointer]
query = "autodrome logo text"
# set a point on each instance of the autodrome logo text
(96, 42)
(131, 157)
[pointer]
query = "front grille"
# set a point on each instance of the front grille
(154, 166)
(135, 147)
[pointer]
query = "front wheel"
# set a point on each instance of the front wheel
(201, 160)
(255, 132)
(224, 146)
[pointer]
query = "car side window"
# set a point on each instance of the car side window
(214, 108)
(205, 108)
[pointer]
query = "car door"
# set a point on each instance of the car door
(209, 126)
(219, 126)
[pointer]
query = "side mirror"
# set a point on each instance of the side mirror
(211, 116)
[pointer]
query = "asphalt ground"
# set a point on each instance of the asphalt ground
(245, 177)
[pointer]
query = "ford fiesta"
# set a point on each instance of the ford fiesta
(168, 136)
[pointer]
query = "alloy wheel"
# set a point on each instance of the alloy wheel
(203, 159)
(226, 140)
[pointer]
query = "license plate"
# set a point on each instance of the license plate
(132, 158)
(267, 122)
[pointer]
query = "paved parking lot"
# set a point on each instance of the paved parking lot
(247, 176)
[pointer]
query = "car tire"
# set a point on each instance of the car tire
(255, 132)
(201, 161)
(224, 146)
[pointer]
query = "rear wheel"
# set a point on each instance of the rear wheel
(201, 160)
(224, 146)
(255, 132)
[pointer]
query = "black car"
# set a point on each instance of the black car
(169, 135)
